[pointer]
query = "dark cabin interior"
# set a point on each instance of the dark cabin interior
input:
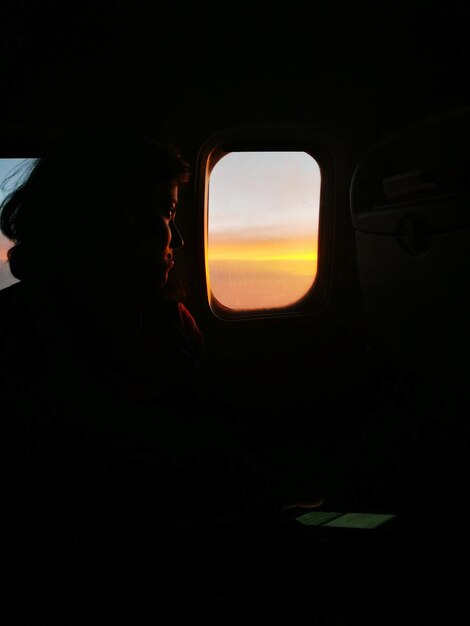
(370, 391)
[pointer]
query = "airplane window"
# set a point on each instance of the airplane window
(11, 171)
(262, 228)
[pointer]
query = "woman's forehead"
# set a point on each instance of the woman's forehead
(160, 191)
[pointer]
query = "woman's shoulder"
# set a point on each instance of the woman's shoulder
(188, 322)
(188, 334)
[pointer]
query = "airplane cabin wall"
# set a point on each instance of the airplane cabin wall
(361, 78)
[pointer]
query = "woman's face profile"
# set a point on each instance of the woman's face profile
(157, 235)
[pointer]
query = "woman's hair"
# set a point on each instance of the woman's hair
(78, 196)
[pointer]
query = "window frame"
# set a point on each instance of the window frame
(292, 139)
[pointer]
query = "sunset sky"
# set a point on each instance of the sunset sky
(263, 215)
(262, 227)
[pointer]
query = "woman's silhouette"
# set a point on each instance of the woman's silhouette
(105, 437)
(108, 441)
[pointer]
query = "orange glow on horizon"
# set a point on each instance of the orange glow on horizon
(258, 273)
(255, 284)
(252, 274)
(287, 249)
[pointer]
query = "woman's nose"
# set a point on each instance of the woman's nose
(176, 238)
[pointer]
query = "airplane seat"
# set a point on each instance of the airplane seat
(410, 208)
(409, 203)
